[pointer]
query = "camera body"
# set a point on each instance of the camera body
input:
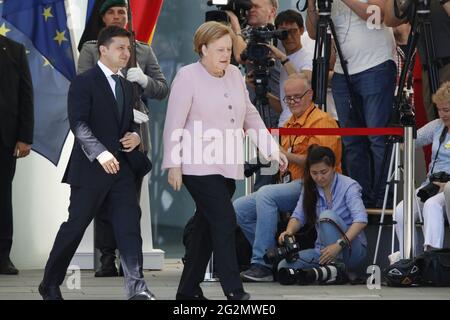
(238, 7)
(431, 189)
(289, 251)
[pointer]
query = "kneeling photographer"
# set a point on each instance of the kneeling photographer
(332, 202)
(430, 192)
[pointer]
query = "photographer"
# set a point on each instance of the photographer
(369, 53)
(257, 214)
(440, 26)
(436, 133)
(296, 59)
(262, 13)
(332, 202)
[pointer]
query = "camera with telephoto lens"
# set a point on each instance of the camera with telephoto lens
(289, 251)
(253, 166)
(238, 7)
(333, 273)
(431, 189)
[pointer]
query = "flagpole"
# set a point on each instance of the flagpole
(70, 26)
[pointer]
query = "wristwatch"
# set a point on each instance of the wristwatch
(287, 60)
(342, 243)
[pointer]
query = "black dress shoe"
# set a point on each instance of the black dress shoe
(240, 295)
(181, 296)
(7, 267)
(50, 292)
(144, 295)
(108, 266)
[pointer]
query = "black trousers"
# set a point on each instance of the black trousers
(214, 231)
(7, 170)
(104, 239)
(121, 198)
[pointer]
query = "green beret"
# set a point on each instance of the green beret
(111, 3)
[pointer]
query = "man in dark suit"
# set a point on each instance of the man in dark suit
(16, 134)
(101, 169)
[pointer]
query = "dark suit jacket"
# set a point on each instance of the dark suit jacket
(16, 94)
(94, 120)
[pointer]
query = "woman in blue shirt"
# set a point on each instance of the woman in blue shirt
(332, 202)
(437, 134)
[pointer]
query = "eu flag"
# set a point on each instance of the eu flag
(41, 25)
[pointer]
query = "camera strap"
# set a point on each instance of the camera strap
(441, 141)
(344, 236)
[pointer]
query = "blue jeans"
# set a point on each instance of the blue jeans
(328, 234)
(373, 91)
(257, 215)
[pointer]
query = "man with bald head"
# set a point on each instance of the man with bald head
(257, 214)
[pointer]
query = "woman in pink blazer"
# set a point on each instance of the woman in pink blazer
(207, 113)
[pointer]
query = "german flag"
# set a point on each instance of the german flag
(145, 17)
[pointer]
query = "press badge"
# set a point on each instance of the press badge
(286, 178)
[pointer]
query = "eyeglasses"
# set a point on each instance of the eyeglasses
(294, 99)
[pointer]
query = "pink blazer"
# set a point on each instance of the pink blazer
(205, 122)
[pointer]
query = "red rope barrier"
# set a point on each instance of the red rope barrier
(338, 131)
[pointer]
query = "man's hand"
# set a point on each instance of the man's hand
(21, 150)
(138, 76)
(175, 178)
(109, 162)
(130, 141)
(234, 21)
(277, 53)
(329, 253)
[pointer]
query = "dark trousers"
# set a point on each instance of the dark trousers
(214, 231)
(85, 201)
(103, 231)
(7, 170)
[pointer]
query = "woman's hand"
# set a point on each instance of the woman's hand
(329, 253)
(441, 185)
(283, 162)
(281, 237)
(175, 178)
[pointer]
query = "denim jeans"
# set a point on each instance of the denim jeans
(257, 215)
(328, 234)
(373, 91)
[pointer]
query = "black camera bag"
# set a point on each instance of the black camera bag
(434, 267)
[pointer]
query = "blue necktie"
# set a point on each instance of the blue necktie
(119, 95)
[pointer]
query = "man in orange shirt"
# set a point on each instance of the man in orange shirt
(257, 214)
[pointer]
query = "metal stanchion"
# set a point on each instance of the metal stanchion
(209, 274)
(408, 194)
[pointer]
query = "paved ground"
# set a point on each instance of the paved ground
(164, 283)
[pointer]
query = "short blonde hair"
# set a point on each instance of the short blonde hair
(442, 96)
(209, 32)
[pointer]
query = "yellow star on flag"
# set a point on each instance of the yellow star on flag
(47, 13)
(4, 30)
(46, 62)
(60, 37)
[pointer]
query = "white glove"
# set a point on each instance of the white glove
(140, 117)
(137, 75)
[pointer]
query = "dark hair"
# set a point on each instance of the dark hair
(316, 154)
(106, 34)
(289, 16)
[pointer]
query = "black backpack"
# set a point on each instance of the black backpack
(434, 267)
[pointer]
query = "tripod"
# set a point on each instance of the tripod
(393, 180)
